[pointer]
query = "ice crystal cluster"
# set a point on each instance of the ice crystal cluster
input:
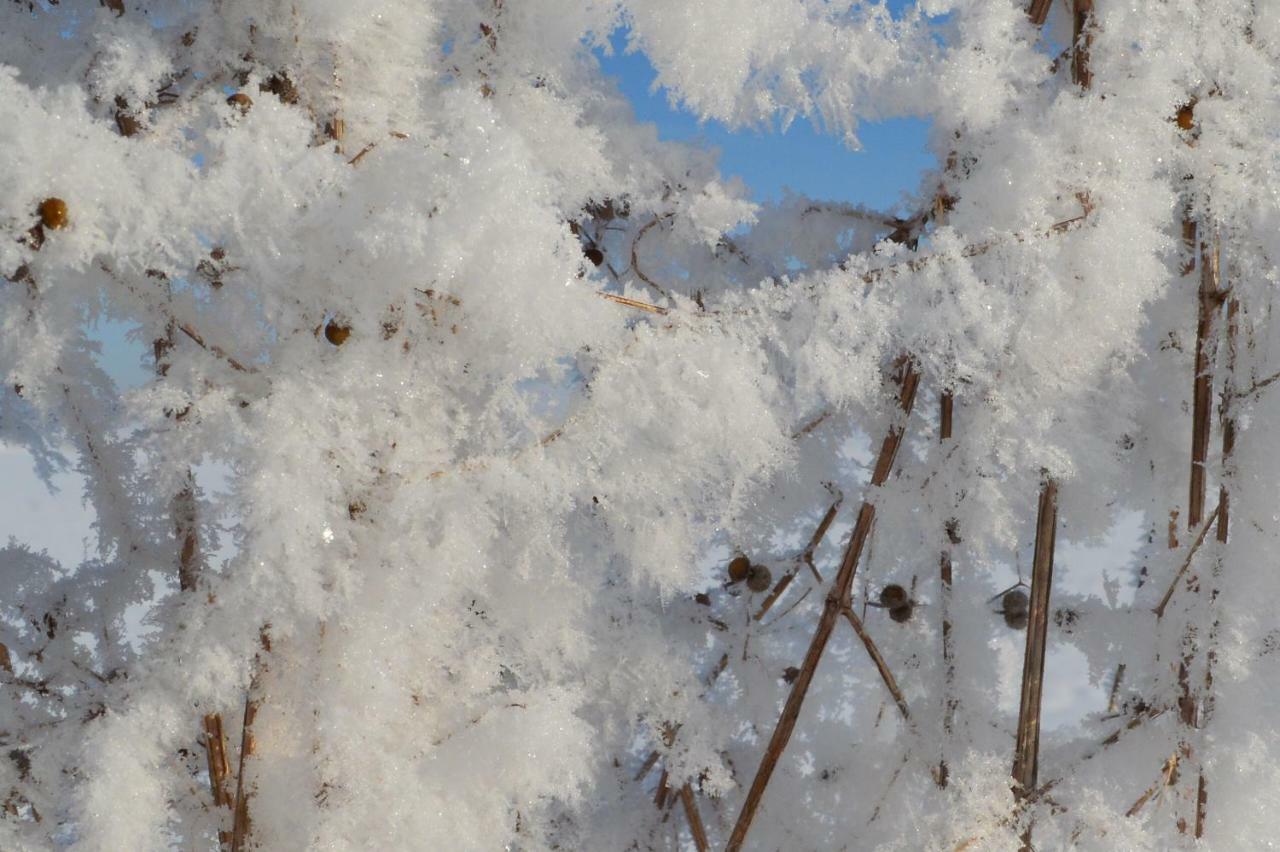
(500, 384)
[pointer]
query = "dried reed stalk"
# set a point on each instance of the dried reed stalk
(241, 824)
(1027, 753)
(806, 557)
(886, 675)
(1186, 563)
(215, 747)
(839, 597)
(950, 703)
(695, 819)
(1210, 299)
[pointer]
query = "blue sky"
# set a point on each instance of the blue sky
(801, 159)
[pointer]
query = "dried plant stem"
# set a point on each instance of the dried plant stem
(1186, 563)
(886, 675)
(1202, 389)
(215, 747)
(1168, 775)
(695, 819)
(1115, 688)
(241, 823)
(1082, 41)
(950, 703)
(839, 597)
(806, 557)
(1027, 753)
(1038, 11)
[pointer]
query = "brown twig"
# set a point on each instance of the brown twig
(886, 675)
(695, 819)
(635, 259)
(1186, 563)
(839, 597)
(806, 557)
(1202, 389)
(215, 746)
(946, 409)
(241, 823)
(1027, 753)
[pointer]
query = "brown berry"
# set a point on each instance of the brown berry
(241, 100)
(594, 255)
(758, 578)
(902, 614)
(739, 566)
(336, 333)
(1186, 117)
(53, 213)
(892, 596)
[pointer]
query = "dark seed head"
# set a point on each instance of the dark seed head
(893, 596)
(1015, 602)
(594, 255)
(758, 578)
(902, 614)
(739, 567)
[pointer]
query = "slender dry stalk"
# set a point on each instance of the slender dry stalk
(1168, 775)
(1186, 563)
(215, 747)
(1027, 753)
(183, 509)
(806, 558)
(886, 674)
(1115, 688)
(241, 823)
(1082, 41)
(949, 700)
(695, 819)
(839, 597)
(1202, 389)
(1038, 11)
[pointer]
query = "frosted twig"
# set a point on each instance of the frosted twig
(1168, 774)
(635, 260)
(886, 675)
(806, 557)
(839, 597)
(695, 819)
(1186, 562)
(1027, 752)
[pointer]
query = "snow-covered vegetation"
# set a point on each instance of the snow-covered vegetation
(572, 499)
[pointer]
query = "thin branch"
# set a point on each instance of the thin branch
(886, 675)
(1186, 562)
(839, 597)
(635, 260)
(1027, 753)
(695, 819)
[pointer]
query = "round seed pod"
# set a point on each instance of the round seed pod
(893, 596)
(241, 101)
(594, 255)
(759, 578)
(1186, 117)
(1015, 620)
(739, 567)
(336, 333)
(1015, 602)
(53, 213)
(902, 614)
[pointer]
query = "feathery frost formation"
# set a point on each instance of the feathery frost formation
(502, 383)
